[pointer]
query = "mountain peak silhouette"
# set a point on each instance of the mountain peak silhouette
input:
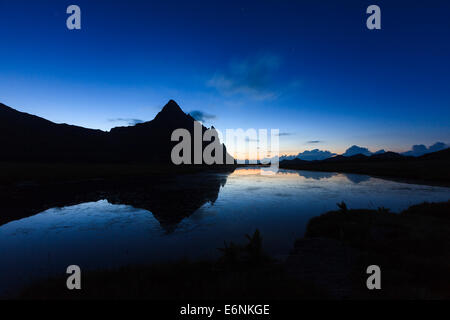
(171, 111)
(171, 106)
(27, 138)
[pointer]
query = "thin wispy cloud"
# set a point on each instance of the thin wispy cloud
(251, 77)
(314, 141)
(284, 134)
(129, 121)
(201, 116)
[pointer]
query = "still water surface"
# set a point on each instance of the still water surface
(103, 235)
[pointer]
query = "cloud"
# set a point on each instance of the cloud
(315, 154)
(310, 155)
(251, 77)
(129, 121)
(201, 116)
(284, 134)
(420, 149)
(314, 141)
(438, 146)
(354, 150)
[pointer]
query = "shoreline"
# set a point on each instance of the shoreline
(433, 173)
(17, 175)
(388, 178)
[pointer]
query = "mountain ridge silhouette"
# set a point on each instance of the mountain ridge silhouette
(432, 167)
(29, 138)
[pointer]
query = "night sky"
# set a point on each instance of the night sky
(308, 68)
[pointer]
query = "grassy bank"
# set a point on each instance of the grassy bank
(412, 249)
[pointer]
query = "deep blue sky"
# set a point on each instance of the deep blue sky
(309, 68)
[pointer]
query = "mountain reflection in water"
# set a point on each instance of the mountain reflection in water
(103, 226)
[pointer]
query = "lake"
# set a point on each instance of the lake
(107, 234)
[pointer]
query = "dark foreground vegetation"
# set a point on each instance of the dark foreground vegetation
(432, 168)
(242, 272)
(412, 249)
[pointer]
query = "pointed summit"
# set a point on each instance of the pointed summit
(171, 111)
(171, 107)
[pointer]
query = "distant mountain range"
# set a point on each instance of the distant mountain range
(28, 138)
(442, 154)
(316, 154)
(432, 167)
